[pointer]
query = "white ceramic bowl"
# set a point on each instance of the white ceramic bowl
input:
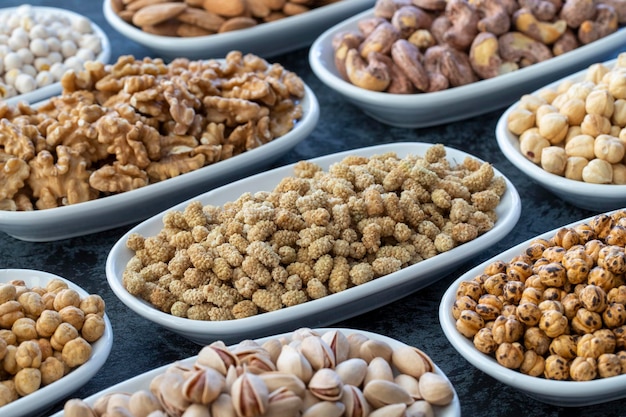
(595, 197)
(143, 381)
(124, 208)
(48, 395)
(428, 109)
(326, 310)
(266, 40)
(55, 88)
(560, 393)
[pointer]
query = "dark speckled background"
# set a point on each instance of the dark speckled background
(140, 346)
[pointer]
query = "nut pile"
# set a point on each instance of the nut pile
(305, 373)
(416, 46)
(45, 332)
(316, 233)
(187, 18)
(578, 129)
(123, 126)
(558, 309)
(37, 47)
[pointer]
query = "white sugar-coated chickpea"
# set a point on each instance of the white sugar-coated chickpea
(25, 83)
(42, 63)
(27, 22)
(7, 90)
(38, 31)
(29, 69)
(57, 70)
(82, 25)
(5, 30)
(68, 48)
(39, 47)
(26, 55)
(1, 67)
(4, 50)
(85, 54)
(44, 78)
(54, 44)
(13, 21)
(12, 61)
(92, 42)
(64, 33)
(55, 57)
(18, 40)
(11, 75)
(74, 63)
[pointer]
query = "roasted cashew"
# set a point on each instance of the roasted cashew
(523, 50)
(432, 64)
(408, 58)
(544, 10)
(342, 43)
(400, 83)
(371, 74)
(545, 32)
(453, 64)
(567, 42)
(408, 19)
(431, 4)
(366, 26)
(620, 8)
(575, 12)
(464, 19)
(485, 57)
(494, 16)
(386, 8)
(380, 40)
(604, 24)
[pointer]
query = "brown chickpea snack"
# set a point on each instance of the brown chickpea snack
(570, 321)
(40, 344)
(316, 233)
(123, 126)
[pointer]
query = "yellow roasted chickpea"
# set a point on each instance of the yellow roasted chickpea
(532, 144)
(608, 148)
(598, 171)
(554, 160)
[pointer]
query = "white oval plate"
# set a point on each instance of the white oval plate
(143, 381)
(326, 310)
(595, 197)
(428, 109)
(268, 39)
(121, 209)
(50, 394)
(559, 393)
(48, 91)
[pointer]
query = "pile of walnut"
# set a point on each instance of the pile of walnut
(305, 373)
(577, 130)
(186, 18)
(120, 127)
(415, 46)
(315, 234)
(45, 332)
(558, 308)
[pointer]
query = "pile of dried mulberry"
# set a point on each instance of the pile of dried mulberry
(316, 233)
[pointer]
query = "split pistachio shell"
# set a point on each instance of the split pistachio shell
(391, 410)
(142, 403)
(338, 343)
(410, 384)
(412, 361)
(378, 368)
(352, 371)
(355, 402)
(436, 389)
(292, 361)
(250, 395)
(371, 349)
(326, 385)
(77, 408)
(283, 402)
(325, 409)
(317, 352)
(420, 408)
(275, 380)
(223, 406)
(196, 410)
(216, 356)
(203, 385)
(355, 340)
(380, 392)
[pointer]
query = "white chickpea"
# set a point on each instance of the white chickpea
(11, 75)
(68, 48)
(54, 44)
(619, 174)
(39, 31)
(82, 25)
(26, 55)
(39, 47)
(25, 83)
(598, 171)
(554, 159)
(581, 145)
(54, 57)
(74, 63)
(57, 70)
(18, 40)
(7, 90)
(42, 63)
(85, 54)
(44, 78)
(92, 42)
(13, 21)
(574, 167)
(29, 69)
(4, 50)
(608, 148)
(12, 61)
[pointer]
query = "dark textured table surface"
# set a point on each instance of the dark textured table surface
(140, 346)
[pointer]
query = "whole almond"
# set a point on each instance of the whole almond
(228, 8)
(237, 23)
(273, 4)
(194, 3)
(167, 28)
(258, 9)
(201, 18)
(139, 4)
(187, 30)
(157, 13)
(292, 9)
